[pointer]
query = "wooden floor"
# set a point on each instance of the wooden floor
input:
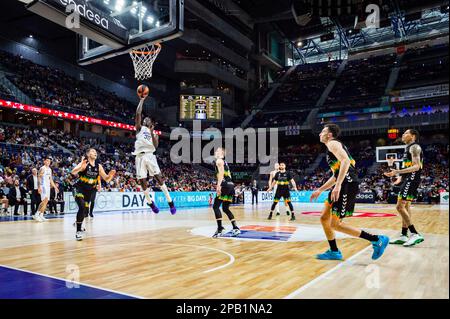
(162, 256)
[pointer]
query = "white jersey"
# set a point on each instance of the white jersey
(45, 179)
(45, 182)
(272, 175)
(144, 142)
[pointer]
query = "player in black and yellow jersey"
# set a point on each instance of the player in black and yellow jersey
(225, 193)
(342, 198)
(89, 171)
(410, 172)
(282, 179)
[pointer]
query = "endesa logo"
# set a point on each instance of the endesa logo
(85, 11)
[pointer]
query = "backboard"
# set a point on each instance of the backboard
(385, 152)
(107, 28)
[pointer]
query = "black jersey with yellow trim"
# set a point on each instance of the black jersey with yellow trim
(90, 176)
(283, 179)
(335, 165)
(226, 171)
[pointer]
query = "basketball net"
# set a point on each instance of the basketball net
(143, 59)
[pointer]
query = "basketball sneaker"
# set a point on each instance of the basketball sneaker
(330, 255)
(235, 232)
(292, 217)
(288, 213)
(277, 214)
(399, 240)
(270, 216)
(154, 208)
(218, 233)
(43, 219)
(414, 240)
(79, 235)
(379, 246)
(173, 209)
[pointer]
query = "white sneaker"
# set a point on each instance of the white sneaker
(36, 217)
(43, 219)
(399, 240)
(235, 232)
(414, 240)
(79, 235)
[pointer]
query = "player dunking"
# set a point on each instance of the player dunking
(45, 181)
(410, 176)
(225, 193)
(341, 200)
(89, 171)
(146, 164)
(281, 180)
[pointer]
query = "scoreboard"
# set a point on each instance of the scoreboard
(200, 107)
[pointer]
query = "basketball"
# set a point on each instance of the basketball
(142, 91)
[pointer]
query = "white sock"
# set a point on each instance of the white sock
(147, 196)
(166, 193)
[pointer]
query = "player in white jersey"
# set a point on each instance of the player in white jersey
(271, 177)
(45, 181)
(146, 164)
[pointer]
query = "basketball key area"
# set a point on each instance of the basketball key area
(137, 254)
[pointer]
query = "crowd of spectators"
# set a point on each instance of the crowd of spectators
(362, 83)
(50, 86)
(304, 85)
(424, 66)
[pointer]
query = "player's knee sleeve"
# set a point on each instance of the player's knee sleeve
(291, 207)
(216, 208)
(227, 211)
(81, 208)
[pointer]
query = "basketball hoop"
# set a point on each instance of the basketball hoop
(143, 59)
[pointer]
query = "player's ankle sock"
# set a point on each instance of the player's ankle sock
(368, 236)
(412, 229)
(79, 226)
(405, 231)
(166, 193)
(333, 245)
(171, 204)
(219, 223)
(233, 222)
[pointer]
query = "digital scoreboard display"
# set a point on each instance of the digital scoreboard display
(200, 107)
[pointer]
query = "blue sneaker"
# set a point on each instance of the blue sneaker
(330, 255)
(379, 246)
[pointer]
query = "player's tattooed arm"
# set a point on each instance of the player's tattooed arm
(106, 178)
(40, 175)
(138, 118)
(415, 151)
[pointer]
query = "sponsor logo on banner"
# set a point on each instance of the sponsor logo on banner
(296, 197)
(124, 201)
(420, 93)
(366, 197)
(444, 198)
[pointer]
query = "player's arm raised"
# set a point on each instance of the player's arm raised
(138, 118)
(80, 167)
(155, 137)
(106, 177)
(338, 151)
(220, 175)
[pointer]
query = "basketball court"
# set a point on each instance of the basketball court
(139, 254)
(134, 253)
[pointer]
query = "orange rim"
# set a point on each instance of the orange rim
(147, 52)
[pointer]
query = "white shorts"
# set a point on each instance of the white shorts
(45, 192)
(146, 165)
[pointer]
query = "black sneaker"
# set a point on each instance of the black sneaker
(218, 233)
(292, 217)
(288, 213)
(278, 214)
(270, 217)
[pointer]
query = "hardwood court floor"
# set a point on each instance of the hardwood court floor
(164, 256)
